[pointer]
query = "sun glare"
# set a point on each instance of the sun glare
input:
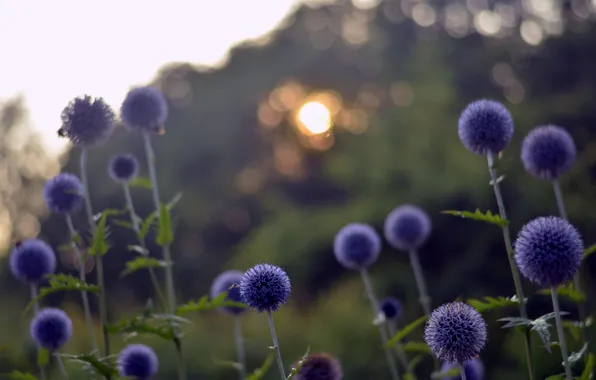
(315, 118)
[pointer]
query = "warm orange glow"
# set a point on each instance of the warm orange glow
(315, 118)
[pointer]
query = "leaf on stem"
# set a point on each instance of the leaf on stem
(477, 215)
(204, 304)
(590, 365)
(141, 182)
(541, 325)
(261, 371)
(165, 232)
(142, 262)
(145, 323)
(99, 241)
(150, 220)
(490, 303)
(61, 283)
(568, 291)
(417, 347)
(301, 362)
(590, 250)
(43, 357)
(405, 331)
(18, 375)
(101, 366)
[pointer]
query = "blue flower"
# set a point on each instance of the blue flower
(63, 194)
(32, 260)
(548, 251)
(229, 281)
(137, 361)
(548, 152)
(357, 246)
(320, 367)
(51, 328)
(391, 308)
(485, 126)
(474, 370)
(87, 121)
(145, 109)
(407, 227)
(265, 287)
(123, 168)
(455, 332)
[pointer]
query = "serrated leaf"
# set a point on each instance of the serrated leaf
(18, 375)
(590, 365)
(543, 329)
(405, 331)
(99, 241)
(487, 217)
(491, 303)
(514, 322)
(568, 291)
(142, 262)
(149, 220)
(261, 371)
(138, 249)
(61, 283)
(145, 323)
(43, 357)
(141, 182)
(294, 371)
(165, 233)
(204, 304)
(590, 250)
(101, 366)
(418, 347)
(577, 356)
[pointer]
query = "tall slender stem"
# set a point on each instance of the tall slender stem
(280, 362)
(103, 312)
(420, 282)
(561, 333)
(240, 347)
(514, 271)
(581, 307)
(374, 303)
(462, 371)
(135, 225)
(33, 288)
(61, 366)
(81, 261)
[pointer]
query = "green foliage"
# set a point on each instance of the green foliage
(262, 370)
(491, 303)
(487, 217)
(142, 262)
(99, 241)
(405, 331)
(102, 366)
(540, 325)
(61, 283)
(203, 304)
(141, 182)
(149, 220)
(589, 251)
(453, 372)
(165, 233)
(414, 363)
(159, 325)
(417, 347)
(18, 375)
(301, 362)
(590, 365)
(574, 357)
(568, 291)
(43, 357)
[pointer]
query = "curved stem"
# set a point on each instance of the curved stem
(514, 271)
(240, 347)
(98, 258)
(61, 367)
(420, 281)
(374, 303)
(81, 260)
(280, 362)
(135, 225)
(33, 289)
(561, 333)
(581, 307)
(462, 371)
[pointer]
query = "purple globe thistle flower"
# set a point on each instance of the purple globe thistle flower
(485, 126)
(123, 168)
(229, 281)
(357, 246)
(320, 367)
(265, 287)
(63, 194)
(407, 227)
(391, 308)
(548, 152)
(474, 370)
(137, 361)
(87, 121)
(145, 109)
(51, 328)
(32, 260)
(548, 251)
(455, 332)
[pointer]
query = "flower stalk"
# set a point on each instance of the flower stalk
(561, 333)
(280, 362)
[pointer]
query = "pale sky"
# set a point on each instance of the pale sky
(52, 51)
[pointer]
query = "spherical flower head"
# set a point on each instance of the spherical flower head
(320, 367)
(548, 152)
(137, 361)
(391, 308)
(548, 251)
(229, 281)
(51, 328)
(87, 121)
(265, 287)
(63, 194)
(485, 126)
(123, 168)
(407, 227)
(455, 332)
(357, 246)
(474, 370)
(32, 260)
(145, 109)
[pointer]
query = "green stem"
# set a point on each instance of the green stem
(135, 225)
(240, 347)
(280, 362)
(514, 271)
(581, 307)
(561, 333)
(33, 288)
(462, 371)
(82, 277)
(98, 258)
(61, 366)
(374, 303)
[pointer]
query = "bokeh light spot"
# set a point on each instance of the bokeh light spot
(315, 118)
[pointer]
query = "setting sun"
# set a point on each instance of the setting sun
(315, 118)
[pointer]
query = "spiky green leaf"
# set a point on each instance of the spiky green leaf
(490, 303)
(99, 242)
(145, 323)
(142, 262)
(150, 220)
(101, 366)
(204, 304)
(568, 291)
(577, 356)
(165, 232)
(405, 331)
(294, 371)
(61, 283)
(487, 217)
(262, 370)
